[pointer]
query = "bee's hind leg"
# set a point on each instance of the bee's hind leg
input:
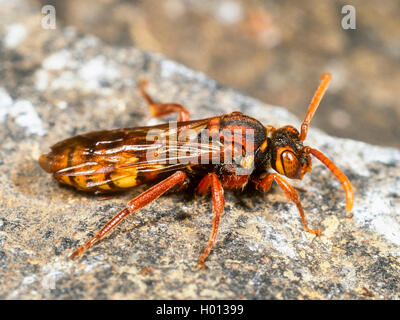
(135, 204)
(162, 109)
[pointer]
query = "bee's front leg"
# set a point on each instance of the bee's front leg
(264, 185)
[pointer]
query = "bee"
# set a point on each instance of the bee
(225, 152)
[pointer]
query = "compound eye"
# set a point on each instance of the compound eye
(291, 164)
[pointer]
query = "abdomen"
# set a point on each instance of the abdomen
(91, 163)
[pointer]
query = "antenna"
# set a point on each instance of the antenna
(348, 189)
(325, 79)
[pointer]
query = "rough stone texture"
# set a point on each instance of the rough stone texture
(57, 83)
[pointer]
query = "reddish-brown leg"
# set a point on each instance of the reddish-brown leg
(135, 204)
(265, 184)
(163, 109)
(217, 192)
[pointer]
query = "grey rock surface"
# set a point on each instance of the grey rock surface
(58, 83)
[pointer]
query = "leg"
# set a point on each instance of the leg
(135, 204)
(162, 109)
(265, 185)
(218, 207)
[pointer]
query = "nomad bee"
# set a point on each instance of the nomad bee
(222, 152)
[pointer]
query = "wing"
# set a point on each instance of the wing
(112, 160)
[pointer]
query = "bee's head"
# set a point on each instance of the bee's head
(288, 156)
(291, 158)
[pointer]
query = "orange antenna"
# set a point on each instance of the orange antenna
(348, 189)
(326, 78)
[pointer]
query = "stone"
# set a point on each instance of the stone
(58, 83)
